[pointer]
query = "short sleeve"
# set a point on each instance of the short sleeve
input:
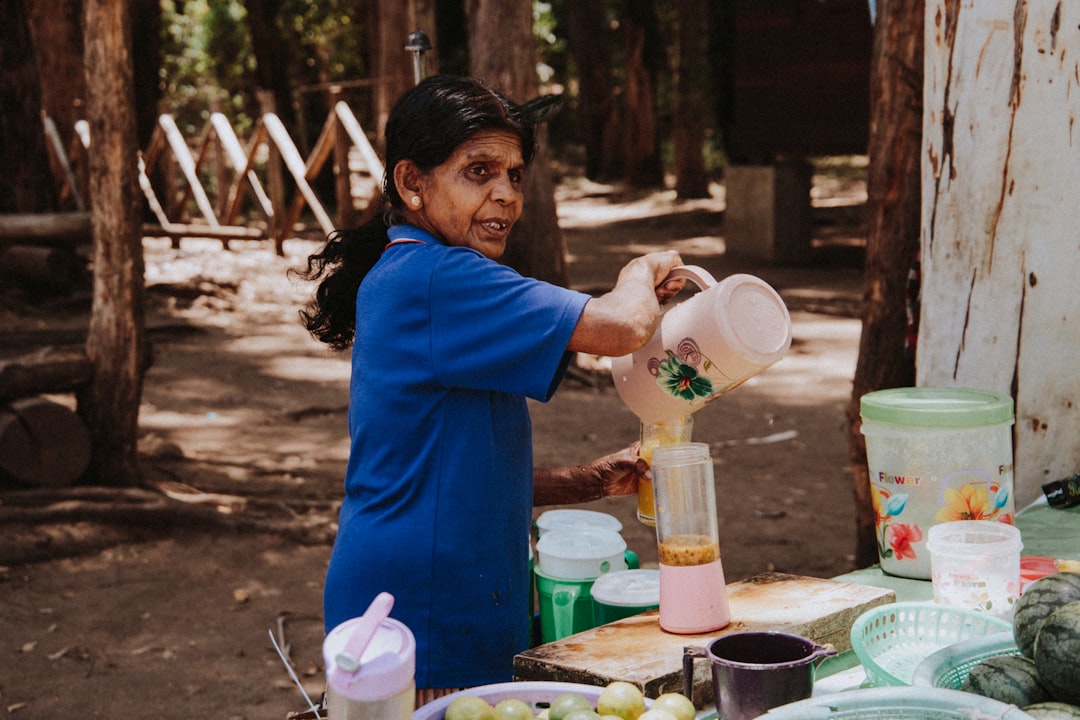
(493, 329)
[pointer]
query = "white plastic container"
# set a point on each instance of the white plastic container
(935, 455)
(580, 554)
(975, 564)
(370, 662)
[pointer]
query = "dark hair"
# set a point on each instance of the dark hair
(426, 126)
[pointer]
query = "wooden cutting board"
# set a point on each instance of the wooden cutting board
(637, 651)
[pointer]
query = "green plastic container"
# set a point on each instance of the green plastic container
(566, 606)
(935, 455)
(621, 594)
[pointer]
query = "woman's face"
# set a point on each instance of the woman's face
(475, 197)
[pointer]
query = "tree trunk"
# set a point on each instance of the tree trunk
(116, 343)
(502, 51)
(640, 142)
(587, 40)
(146, 61)
(25, 183)
(692, 108)
(392, 21)
(56, 29)
(999, 251)
(893, 198)
(271, 57)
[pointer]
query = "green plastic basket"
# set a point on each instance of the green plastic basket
(891, 640)
(898, 703)
(950, 666)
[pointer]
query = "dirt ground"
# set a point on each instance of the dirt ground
(171, 615)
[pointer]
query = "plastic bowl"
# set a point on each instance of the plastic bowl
(891, 640)
(538, 694)
(898, 703)
(949, 667)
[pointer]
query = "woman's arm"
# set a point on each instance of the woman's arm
(624, 319)
(611, 475)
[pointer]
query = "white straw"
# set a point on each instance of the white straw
(292, 674)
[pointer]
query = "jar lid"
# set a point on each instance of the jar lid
(385, 667)
(937, 407)
(584, 544)
(628, 588)
(576, 519)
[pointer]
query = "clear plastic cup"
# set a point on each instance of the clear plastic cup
(976, 564)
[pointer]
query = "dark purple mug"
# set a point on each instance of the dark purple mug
(753, 672)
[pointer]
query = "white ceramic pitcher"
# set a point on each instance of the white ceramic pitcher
(704, 347)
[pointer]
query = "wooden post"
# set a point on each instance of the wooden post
(275, 176)
(220, 159)
(243, 166)
(342, 176)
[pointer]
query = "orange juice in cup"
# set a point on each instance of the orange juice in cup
(654, 435)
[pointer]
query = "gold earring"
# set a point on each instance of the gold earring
(415, 202)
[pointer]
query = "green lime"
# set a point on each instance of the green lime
(565, 704)
(469, 707)
(513, 709)
(677, 704)
(582, 714)
(622, 699)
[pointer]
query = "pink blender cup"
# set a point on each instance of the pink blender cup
(693, 593)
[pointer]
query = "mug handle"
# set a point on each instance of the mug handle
(694, 273)
(690, 653)
(822, 651)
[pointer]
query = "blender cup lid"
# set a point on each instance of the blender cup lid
(385, 668)
(937, 407)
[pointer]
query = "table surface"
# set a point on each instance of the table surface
(1045, 531)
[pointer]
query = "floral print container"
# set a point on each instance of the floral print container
(935, 455)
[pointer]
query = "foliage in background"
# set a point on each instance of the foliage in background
(209, 63)
(194, 76)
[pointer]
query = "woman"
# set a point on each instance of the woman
(448, 346)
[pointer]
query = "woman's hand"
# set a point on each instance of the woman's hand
(667, 290)
(620, 471)
(612, 475)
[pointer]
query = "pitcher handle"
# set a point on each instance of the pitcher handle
(694, 273)
(563, 599)
(690, 653)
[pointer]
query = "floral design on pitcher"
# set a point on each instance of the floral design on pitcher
(678, 374)
(973, 502)
(894, 539)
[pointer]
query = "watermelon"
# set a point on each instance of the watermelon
(1057, 653)
(1011, 679)
(1053, 711)
(1040, 599)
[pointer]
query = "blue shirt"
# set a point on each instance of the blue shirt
(439, 483)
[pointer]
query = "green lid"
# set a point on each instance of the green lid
(940, 407)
